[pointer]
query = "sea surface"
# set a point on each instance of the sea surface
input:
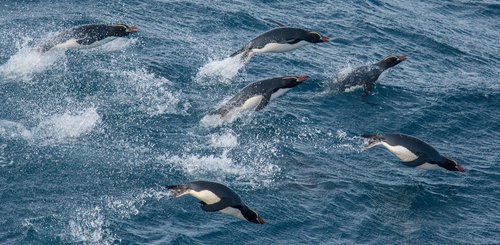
(89, 138)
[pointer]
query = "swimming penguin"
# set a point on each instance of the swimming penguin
(258, 94)
(216, 197)
(281, 39)
(88, 36)
(365, 76)
(412, 151)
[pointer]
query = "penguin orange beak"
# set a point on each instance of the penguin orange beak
(132, 29)
(402, 57)
(302, 78)
(325, 39)
(261, 221)
(460, 168)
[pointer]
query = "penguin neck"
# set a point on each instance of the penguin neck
(247, 212)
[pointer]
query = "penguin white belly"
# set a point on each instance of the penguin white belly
(233, 212)
(71, 43)
(249, 104)
(280, 47)
(206, 196)
(401, 152)
(429, 166)
(99, 43)
(279, 93)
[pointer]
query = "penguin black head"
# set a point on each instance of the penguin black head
(314, 37)
(290, 82)
(122, 30)
(451, 165)
(251, 215)
(391, 61)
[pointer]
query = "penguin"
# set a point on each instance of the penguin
(258, 94)
(365, 76)
(413, 152)
(87, 36)
(281, 39)
(216, 197)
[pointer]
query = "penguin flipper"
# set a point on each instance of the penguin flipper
(214, 207)
(265, 100)
(367, 89)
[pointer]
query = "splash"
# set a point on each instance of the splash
(250, 165)
(215, 120)
(223, 71)
(224, 140)
(89, 226)
(68, 125)
(14, 130)
(4, 160)
(28, 61)
(126, 206)
(152, 94)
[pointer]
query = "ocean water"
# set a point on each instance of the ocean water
(88, 138)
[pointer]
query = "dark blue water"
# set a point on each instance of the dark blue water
(88, 138)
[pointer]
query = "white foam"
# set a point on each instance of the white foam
(67, 125)
(89, 226)
(151, 94)
(222, 71)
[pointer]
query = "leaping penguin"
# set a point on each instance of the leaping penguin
(413, 152)
(87, 36)
(216, 197)
(365, 76)
(281, 39)
(258, 94)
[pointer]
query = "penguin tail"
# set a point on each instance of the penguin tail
(177, 190)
